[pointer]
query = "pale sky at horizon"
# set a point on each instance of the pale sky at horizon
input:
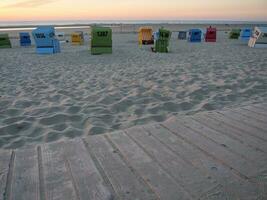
(19, 10)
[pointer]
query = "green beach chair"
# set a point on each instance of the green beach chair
(163, 41)
(101, 41)
(4, 41)
(234, 34)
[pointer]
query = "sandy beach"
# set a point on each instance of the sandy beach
(46, 98)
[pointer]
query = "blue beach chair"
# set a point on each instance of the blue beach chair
(45, 40)
(246, 34)
(25, 39)
(194, 35)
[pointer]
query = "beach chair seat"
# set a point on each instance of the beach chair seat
(195, 35)
(163, 41)
(234, 34)
(211, 34)
(4, 41)
(25, 39)
(101, 40)
(45, 40)
(246, 34)
(77, 38)
(182, 35)
(145, 36)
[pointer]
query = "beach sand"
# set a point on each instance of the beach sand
(46, 98)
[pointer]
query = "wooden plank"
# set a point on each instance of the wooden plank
(189, 177)
(252, 115)
(258, 110)
(124, 181)
(87, 180)
(256, 127)
(242, 117)
(238, 164)
(219, 124)
(233, 186)
(163, 185)
(231, 145)
(256, 120)
(5, 158)
(25, 184)
(57, 180)
(262, 106)
(238, 125)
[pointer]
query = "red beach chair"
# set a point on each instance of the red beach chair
(211, 34)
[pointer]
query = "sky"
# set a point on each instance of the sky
(41, 10)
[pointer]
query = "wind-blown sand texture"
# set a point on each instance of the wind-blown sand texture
(48, 97)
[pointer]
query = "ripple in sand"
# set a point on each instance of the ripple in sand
(74, 109)
(59, 118)
(15, 128)
(53, 136)
(13, 112)
(97, 130)
(25, 104)
(4, 103)
(11, 120)
(59, 127)
(20, 142)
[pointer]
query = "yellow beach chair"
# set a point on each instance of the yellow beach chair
(145, 36)
(77, 38)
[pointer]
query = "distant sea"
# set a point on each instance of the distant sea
(30, 25)
(84, 22)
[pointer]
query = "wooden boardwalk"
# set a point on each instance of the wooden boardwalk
(211, 155)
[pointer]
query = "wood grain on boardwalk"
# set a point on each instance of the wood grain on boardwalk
(211, 155)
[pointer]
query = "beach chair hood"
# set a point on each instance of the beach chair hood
(25, 39)
(258, 38)
(182, 35)
(101, 41)
(162, 42)
(211, 34)
(5, 41)
(77, 38)
(246, 34)
(234, 34)
(45, 40)
(195, 35)
(145, 35)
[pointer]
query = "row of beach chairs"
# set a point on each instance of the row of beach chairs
(47, 42)
(255, 38)
(195, 35)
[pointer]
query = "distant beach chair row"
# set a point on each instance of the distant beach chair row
(255, 38)
(48, 42)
